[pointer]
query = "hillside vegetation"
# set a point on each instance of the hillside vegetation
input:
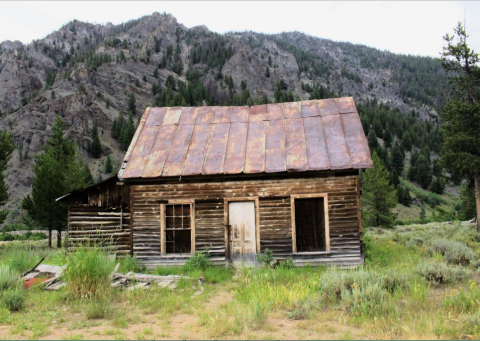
(99, 79)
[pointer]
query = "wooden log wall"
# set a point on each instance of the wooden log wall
(274, 217)
(105, 228)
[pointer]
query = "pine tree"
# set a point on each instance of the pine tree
(6, 149)
(437, 186)
(461, 115)
(387, 138)
(96, 146)
(58, 170)
(423, 173)
(468, 203)
(108, 166)
(372, 141)
(396, 159)
(267, 72)
(404, 197)
(378, 195)
(132, 106)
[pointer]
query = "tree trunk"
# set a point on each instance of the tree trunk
(50, 238)
(59, 239)
(477, 197)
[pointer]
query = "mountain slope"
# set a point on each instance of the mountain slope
(86, 73)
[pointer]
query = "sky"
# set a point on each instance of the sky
(401, 27)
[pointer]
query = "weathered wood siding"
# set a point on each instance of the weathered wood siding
(274, 216)
(105, 228)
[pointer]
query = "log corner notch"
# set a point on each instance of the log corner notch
(100, 215)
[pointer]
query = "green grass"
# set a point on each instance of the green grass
(88, 273)
(390, 296)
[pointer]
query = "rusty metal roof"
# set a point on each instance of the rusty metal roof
(294, 137)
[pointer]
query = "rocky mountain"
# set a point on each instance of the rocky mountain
(87, 73)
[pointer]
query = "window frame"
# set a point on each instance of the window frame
(327, 222)
(163, 222)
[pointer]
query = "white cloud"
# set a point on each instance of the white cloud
(401, 27)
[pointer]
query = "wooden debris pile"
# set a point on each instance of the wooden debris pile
(52, 277)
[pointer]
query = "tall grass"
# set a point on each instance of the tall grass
(88, 273)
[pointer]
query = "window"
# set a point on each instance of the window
(85, 198)
(311, 232)
(177, 234)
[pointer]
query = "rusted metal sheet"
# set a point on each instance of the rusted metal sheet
(298, 136)
(292, 110)
(240, 114)
(275, 158)
(141, 151)
(172, 116)
(258, 113)
(345, 105)
(137, 134)
(295, 145)
(204, 115)
(356, 142)
(189, 116)
(217, 146)
(328, 107)
(161, 147)
(255, 156)
(275, 112)
(310, 109)
(336, 144)
(197, 150)
(317, 152)
(236, 148)
(222, 115)
(155, 117)
(178, 151)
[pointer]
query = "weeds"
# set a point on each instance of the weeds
(88, 273)
(14, 299)
(199, 261)
(8, 277)
(99, 309)
(455, 252)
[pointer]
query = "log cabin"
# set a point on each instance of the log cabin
(235, 181)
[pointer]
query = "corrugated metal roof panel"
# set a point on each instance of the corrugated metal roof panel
(299, 136)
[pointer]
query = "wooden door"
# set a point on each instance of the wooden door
(241, 216)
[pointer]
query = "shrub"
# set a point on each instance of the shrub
(369, 300)
(199, 261)
(88, 272)
(441, 273)
(266, 258)
(14, 299)
(8, 278)
(287, 264)
(303, 309)
(454, 252)
(6, 237)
